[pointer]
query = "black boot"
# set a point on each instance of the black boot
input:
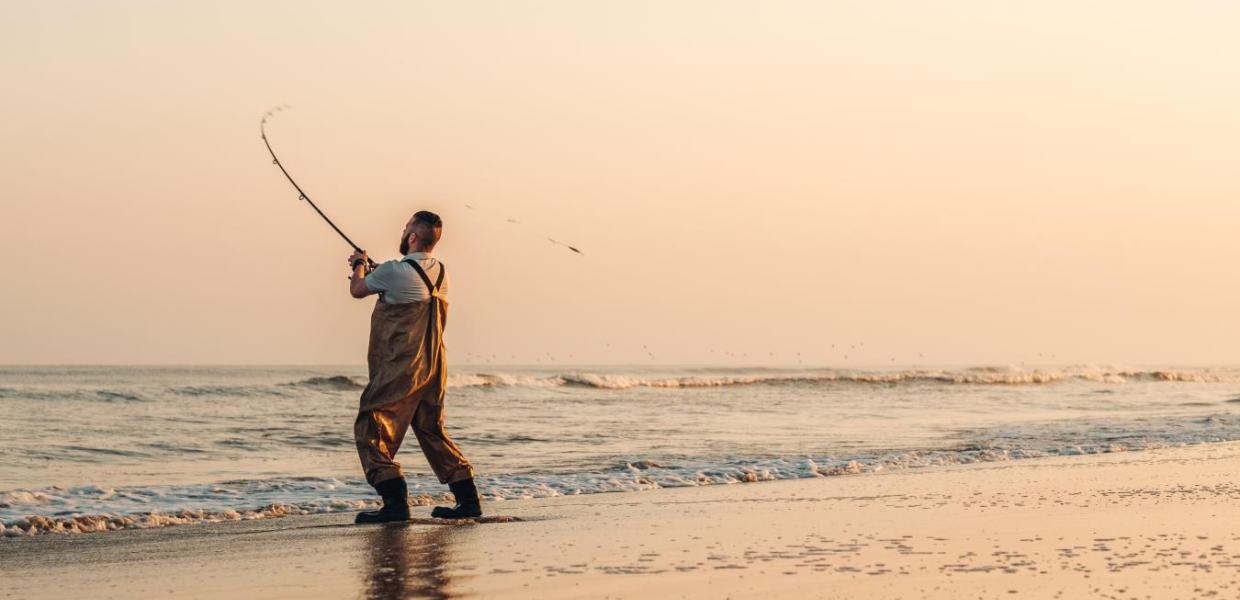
(395, 503)
(468, 505)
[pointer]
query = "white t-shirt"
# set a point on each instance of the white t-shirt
(400, 284)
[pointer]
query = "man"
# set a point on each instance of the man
(408, 375)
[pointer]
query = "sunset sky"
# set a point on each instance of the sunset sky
(969, 182)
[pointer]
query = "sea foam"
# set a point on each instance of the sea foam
(97, 509)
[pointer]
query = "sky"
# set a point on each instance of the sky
(825, 183)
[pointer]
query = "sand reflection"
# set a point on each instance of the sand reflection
(404, 561)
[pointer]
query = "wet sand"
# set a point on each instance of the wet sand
(1158, 524)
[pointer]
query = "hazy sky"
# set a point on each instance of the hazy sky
(943, 182)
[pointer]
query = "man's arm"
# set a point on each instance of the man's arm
(357, 283)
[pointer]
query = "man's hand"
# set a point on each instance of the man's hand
(360, 263)
(356, 258)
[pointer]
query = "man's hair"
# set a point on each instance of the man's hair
(428, 227)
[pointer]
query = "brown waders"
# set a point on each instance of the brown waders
(408, 376)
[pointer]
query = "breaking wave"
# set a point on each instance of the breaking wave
(970, 376)
(57, 510)
(978, 376)
(333, 382)
(327, 383)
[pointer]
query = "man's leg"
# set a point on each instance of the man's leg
(446, 460)
(378, 433)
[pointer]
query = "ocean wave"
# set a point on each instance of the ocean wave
(978, 376)
(89, 395)
(969, 376)
(59, 510)
(332, 382)
(243, 391)
(52, 511)
(326, 383)
(35, 525)
(111, 396)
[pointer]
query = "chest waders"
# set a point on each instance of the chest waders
(408, 377)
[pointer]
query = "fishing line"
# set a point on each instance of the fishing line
(301, 194)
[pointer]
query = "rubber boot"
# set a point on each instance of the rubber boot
(395, 503)
(468, 506)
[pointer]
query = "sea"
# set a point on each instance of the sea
(100, 449)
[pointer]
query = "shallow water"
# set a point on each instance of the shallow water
(106, 448)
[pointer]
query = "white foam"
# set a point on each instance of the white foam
(94, 509)
(968, 376)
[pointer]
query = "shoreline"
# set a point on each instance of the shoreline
(335, 503)
(1164, 523)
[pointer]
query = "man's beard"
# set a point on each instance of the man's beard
(404, 246)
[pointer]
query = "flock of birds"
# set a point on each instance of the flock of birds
(549, 239)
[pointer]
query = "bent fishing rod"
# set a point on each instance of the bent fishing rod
(301, 195)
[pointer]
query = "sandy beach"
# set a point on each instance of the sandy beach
(1154, 524)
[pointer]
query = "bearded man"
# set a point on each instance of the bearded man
(408, 375)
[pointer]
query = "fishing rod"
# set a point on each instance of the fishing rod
(262, 128)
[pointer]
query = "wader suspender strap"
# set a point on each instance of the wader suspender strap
(433, 290)
(430, 289)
